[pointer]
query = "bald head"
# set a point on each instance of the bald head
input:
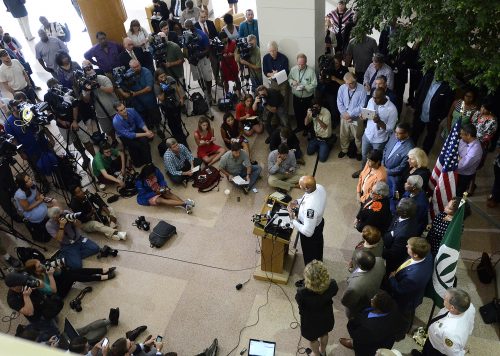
(135, 65)
(307, 183)
(128, 43)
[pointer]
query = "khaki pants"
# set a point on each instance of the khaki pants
(349, 130)
(96, 226)
(284, 181)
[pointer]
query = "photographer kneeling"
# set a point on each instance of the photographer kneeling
(73, 245)
(170, 95)
(107, 163)
(23, 296)
(323, 139)
(59, 280)
(93, 220)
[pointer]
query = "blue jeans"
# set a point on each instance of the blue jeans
(256, 169)
(367, 146)
(76, 252)
(319, 146)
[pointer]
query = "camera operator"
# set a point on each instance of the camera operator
(30, 136)
(95, 216)
(142, 97)
(134, 134)
(73, 245)
(198, 47)
(168, 55)
(69, 117)
(323, 139)
(103, 97)
(331, 77)
(58, 279)
(23, 296)
(269, 105)
(171, 99)
(253, 62)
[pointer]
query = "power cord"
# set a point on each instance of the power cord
(8, 319)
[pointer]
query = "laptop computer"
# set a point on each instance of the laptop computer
(261, 348)
(68, 334)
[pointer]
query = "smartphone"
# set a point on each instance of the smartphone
(159, 338)
(105, 342)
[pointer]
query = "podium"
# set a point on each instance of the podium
(276, 254)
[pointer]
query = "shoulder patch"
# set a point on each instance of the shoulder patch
(448, 342)
(310, 213)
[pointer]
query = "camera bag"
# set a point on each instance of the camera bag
(29, 253)
(200, 106)
(161, 233)
(207, 179)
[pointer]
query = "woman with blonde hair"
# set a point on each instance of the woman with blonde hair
(417, 165)
(316, 306)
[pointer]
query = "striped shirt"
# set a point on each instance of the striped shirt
(175, 162)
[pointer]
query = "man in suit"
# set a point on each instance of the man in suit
(209, 29)
(432, 102)
(395, 158)
(403, 227)
(130, 52)
(363, 283)
(407, 282)
(375, 327)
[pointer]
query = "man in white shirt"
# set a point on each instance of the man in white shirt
(14, 77)
(450, 329)
(309, 220)
(378, 129)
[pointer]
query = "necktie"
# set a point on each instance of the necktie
(404, 264)
(132, 54)
(205, 28)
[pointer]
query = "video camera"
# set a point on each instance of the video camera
(217, 46)
(168, 89)
(191, 41)
(85, 82)
(66, 100)
(7, 148)
(325, 63)
(244, 48)
(124, 78)
(36, 114)
(159, 45)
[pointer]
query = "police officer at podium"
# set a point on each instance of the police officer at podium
(307, 217)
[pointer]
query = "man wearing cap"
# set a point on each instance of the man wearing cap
(29, 302)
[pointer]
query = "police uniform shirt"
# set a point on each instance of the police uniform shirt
(311, 209)
(449, 335)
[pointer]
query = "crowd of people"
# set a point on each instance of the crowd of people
(390, 267)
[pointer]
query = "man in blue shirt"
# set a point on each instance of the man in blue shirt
(142, 96)
(250, 26)
(134, 134)
(202, 69)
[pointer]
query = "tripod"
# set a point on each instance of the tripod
(8, 227)
(245, 78)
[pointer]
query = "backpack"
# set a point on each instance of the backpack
(200, 106)
(161, 233)
(207, 179)
(28, 253)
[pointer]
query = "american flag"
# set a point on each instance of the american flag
(444, 175)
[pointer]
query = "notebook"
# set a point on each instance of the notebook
(261, 348)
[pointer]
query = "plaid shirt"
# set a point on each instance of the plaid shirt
(174, 163)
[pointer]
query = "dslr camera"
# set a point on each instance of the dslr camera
(56, 262)
(85, 82)
(124, 78)
(70, 217)
(107, 251)
(315, 111)
(31, 282)
(142, 224)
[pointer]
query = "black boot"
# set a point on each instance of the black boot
(114, 315)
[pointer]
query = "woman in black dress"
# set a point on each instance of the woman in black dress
(316, 306)
(376, 211)
(440, 224)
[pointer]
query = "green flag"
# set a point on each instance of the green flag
(445, 264)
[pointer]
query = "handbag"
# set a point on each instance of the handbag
(207, 179)
(485, 270)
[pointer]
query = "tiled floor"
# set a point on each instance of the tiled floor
(186, 290)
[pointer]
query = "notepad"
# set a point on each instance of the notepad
(239, 181)
(280, 77)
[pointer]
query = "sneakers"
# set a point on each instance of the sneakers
(122, 235)
(341, 154)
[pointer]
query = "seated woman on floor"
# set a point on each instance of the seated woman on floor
(152, 190)
(204, 137)
(231, 131)
(244, 111)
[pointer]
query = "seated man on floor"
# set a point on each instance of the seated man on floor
(179, 162)
(282, 167)
(95, 216)
(152, 190)
(236, 163)
(134, 134)
(74, 247)
(109, 165)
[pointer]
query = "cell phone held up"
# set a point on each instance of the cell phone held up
(159, 338)
(105, 342)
